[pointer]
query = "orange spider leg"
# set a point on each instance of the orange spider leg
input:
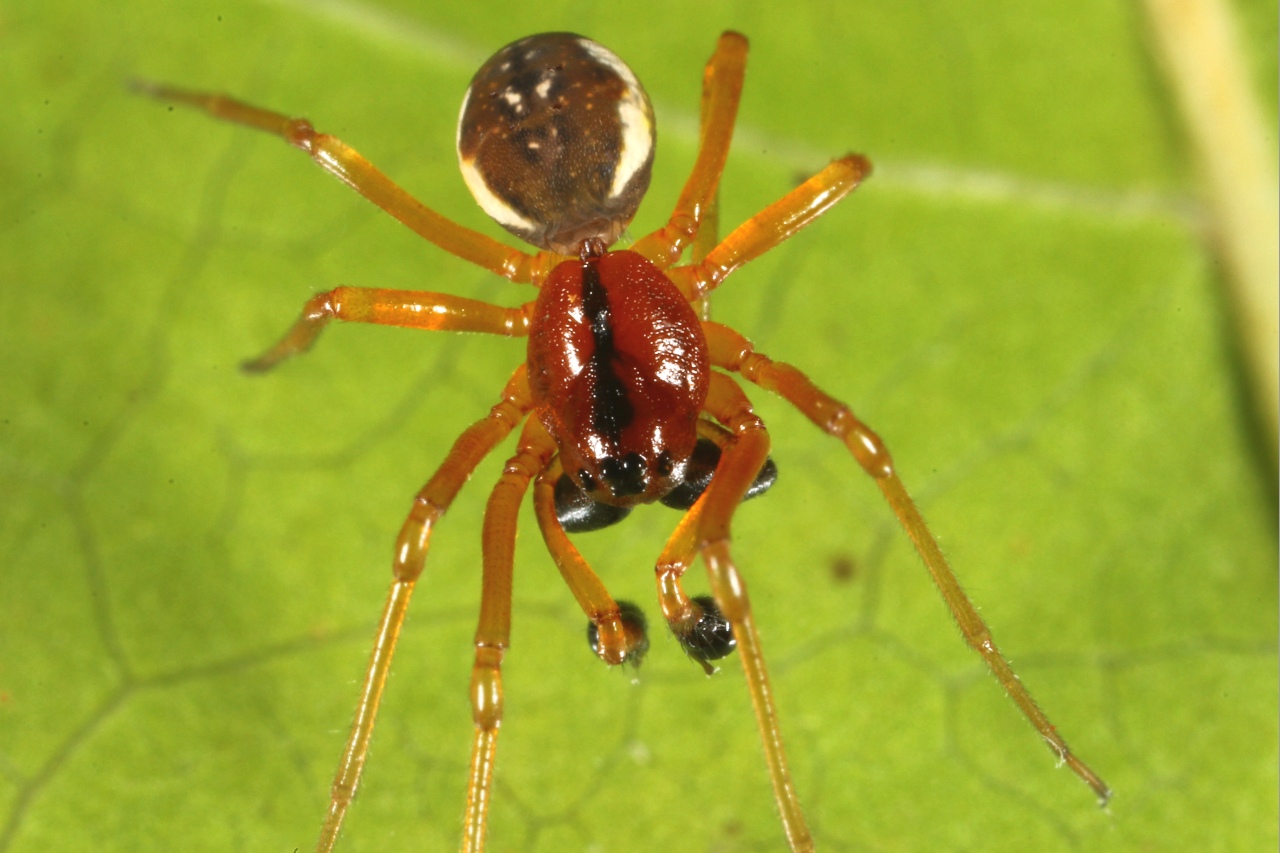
(771, 226)
(410, 554)
(414, 309)
(620, 637)
(708, 232)
(347, 165)
(732, 351)
(703, 244)
(721, 92)
(493, 634)
(740, 462)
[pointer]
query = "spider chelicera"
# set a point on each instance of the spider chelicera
(627, 395)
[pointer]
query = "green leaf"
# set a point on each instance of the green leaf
(191, 560)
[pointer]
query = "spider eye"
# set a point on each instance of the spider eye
(555, 141)
(624, 476)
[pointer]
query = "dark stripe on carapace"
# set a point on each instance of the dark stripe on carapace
(611, 410)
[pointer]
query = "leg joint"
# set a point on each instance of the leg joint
(867, 447)
(486, 688)
(300, 133)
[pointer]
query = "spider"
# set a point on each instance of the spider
(628, 393)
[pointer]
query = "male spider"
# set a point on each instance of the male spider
(555, 141)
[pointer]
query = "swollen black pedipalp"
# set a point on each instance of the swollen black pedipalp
(578, 513)
(698, 472)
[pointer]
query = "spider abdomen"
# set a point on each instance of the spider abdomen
(618, 367)
(555, 141)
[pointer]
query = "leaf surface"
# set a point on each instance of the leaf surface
(191, 560)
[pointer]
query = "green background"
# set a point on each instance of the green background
(191, 560)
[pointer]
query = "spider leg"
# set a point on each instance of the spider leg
(493, 633)
(731, 351)
(410, 554)
(702, 246)
(619, 636)
(413, 309)
(739, 464)
(721, 91)
(708, 234)
(773, 225)
(347, 165)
